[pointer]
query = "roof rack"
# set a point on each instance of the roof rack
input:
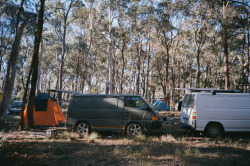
(212, 90)
(61, 91)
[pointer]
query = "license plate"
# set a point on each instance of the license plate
(185, 121)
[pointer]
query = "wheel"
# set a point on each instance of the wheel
(213, 130)
(83, 128)
(134, 129)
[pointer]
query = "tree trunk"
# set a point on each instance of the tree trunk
(123, 68)
(39, 67)
(225, 46)
(243, 67)
(206, 77)
(24, 99)
(198, 69)
(138, 68)
(248, 52)
(148, 70)
(35, 63)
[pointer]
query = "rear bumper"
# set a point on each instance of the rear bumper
(185, 126)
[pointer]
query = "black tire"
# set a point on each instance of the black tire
(134, 129)
(82, 128)
(213, 130)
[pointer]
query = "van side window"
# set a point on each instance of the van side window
(106, 103)
(84, 102)
(135, 102)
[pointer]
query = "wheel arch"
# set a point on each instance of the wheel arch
(79, 121)
(126, 126)
(215, 122)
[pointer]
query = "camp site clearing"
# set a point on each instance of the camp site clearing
(170, 146)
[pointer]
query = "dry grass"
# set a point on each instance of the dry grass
(92, 137)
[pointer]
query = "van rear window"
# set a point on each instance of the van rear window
(188, 100)
(185, 101)
(106, 103)
(84, 102)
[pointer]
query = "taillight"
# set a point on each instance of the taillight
(154, 118)
(194, 115)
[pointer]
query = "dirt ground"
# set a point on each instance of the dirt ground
(169, 146)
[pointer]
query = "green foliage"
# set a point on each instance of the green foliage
(155, 45)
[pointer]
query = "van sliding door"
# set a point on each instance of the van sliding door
(108, 113)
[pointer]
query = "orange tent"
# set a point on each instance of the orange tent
(46, 112)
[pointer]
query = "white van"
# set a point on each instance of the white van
(215, 113)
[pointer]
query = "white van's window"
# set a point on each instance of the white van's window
(190, 101)
(106, 103)
(84, 102)
(185, 101)
(135, 102)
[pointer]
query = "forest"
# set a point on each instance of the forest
(145, 47)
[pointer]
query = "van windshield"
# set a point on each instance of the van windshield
(149, 104)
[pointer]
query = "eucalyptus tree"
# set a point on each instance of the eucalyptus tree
(241, 41)
(35, 63)
(20, 20)
(229, 17)
(60, 21)
(200, 28)
(165, 34)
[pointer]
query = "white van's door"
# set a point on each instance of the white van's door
(187, 111)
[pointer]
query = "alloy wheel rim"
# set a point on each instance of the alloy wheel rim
(82, 129)
(135, 129)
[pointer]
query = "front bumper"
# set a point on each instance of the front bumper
(156, 125)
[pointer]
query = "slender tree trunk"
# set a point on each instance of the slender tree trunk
(39, 68)
(24, 99)
(225, 46)
(179, 75)
(123, 68)
(77, 69)
(190, 74)
(30, 120)
(138, 67)
(206, 77)
(198, 69)
(110, 60)
(243, 62)
(148, 70)
(166, 96)
(248, 52)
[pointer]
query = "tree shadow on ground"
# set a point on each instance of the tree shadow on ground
(135, 153)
